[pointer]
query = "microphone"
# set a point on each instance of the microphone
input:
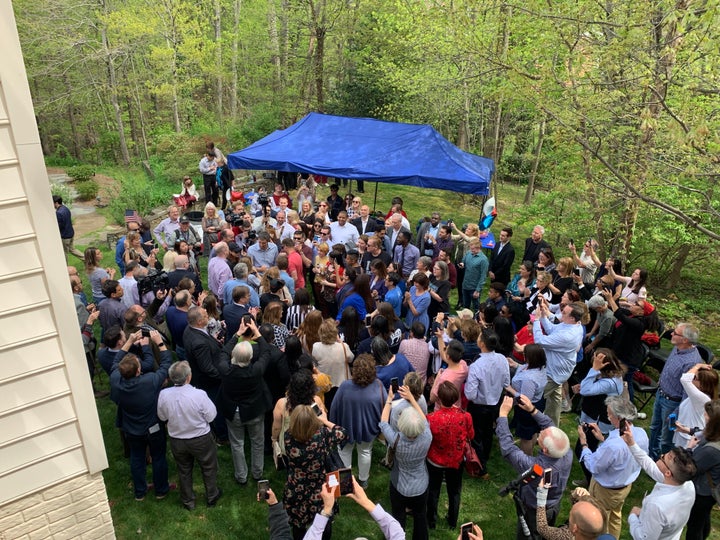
(534, 472)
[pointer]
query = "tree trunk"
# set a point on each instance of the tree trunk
(218, 61)
(319, 68)
(276, 57)
(234, 59)
(112, 84)
(536, 162)
(674, 277)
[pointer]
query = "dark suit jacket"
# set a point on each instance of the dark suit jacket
(244, 388)
(232, 313)
(532, 250)
(203, 354)
(175, 276)
(501, 265)
(369, 228)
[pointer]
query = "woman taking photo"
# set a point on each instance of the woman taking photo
(357, 407)
(308, 442)
(529, 380)
(451, 427)
(701, 385)
(706, 454)
(604, 379)
(333, 356)
(409, 476)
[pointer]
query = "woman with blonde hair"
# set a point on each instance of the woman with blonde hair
(308, 442)
(210, 227)
(563, 278)
(333, 356)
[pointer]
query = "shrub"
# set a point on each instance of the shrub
(135, 191)
(64, 191)
(87, 189)
(81, 173)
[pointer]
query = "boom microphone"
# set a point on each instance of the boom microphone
(534, 472)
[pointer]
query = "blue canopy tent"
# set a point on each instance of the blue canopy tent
(368, 149)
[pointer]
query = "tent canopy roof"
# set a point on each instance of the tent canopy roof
(368, 149)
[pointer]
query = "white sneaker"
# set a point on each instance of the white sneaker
(642, 415)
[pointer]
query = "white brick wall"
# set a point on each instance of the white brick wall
(77, 508)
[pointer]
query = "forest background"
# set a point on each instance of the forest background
(604, 114)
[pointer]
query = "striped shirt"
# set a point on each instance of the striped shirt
(409, 474)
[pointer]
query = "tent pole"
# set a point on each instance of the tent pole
(375, 199)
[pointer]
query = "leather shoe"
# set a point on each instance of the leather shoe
(214, 501)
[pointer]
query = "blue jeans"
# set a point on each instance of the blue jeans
(660, 435)
(628, 378)
(158, 445)
(468, 300)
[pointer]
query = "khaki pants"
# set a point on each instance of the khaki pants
(553, 401)
(69, 247)
(612, 501)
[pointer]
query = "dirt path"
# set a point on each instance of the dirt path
(90, 225)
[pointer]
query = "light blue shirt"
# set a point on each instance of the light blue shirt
(560, 343)
(530, 382)
(487, 378)
(230, 285)
(262, 258)
(612, 464)
(592, 385)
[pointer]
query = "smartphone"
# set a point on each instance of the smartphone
(572, 242)
(263, 486)
(576, 271)
(145, 333)
(346, 481)
(547, 477)
(622, 426)
(394, 384)
(316, 409)
(465, 530)
(672, 419)
(368, 320)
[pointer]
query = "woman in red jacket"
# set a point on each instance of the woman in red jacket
(450, 427)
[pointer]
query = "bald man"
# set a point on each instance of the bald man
(586, 522)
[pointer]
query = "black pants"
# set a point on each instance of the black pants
(299, 533)
(484, 417)
(698, 526)
(453, 483)
(186, 452)
(417, 506)
(211, 189)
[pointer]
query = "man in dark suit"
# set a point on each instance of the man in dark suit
(202, 352)
(503, 256)
(365, 223)
(234, 311)
(534, 244)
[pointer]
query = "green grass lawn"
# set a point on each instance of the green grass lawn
(239, 515)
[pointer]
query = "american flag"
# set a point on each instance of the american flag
(131, 216)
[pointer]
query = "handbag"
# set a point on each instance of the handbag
(279, 458)
(389, 460)
(473, 465)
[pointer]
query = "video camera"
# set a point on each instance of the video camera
(153, 282)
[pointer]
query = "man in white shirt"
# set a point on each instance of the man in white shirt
(282, 228)
(343, 232)
(188, 412)
(129, 285)
(666, 509)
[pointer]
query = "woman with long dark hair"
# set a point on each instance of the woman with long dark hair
(529, 380)
(351, 328)
(298, 311)
(359, 296)
(309, 330)
(700, 383)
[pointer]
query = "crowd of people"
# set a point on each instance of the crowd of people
(320, 329)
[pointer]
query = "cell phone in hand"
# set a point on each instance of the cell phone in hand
(547, 477)
(145, 332)
(622, 426)
(263, 486)
(465, 530)
(316, 409)
(394, 385)
(346, 481)
(576, 271)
